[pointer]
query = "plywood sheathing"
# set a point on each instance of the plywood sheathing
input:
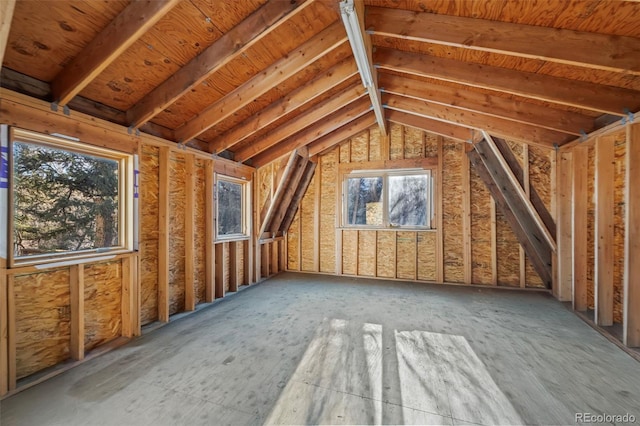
(307, 241)
(618, 229)
(42, 323)
(481, 237)
(177, 182)
(149, 187)
(103, 303)
(328, 210)
(453, 153)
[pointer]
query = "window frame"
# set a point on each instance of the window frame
(245, 208)
(385, 174)
(125, 197)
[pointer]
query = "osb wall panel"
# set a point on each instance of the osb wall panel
(102, 303)
(480, 200)
(360, 147)
(452, 211)
(350, 252)
(540, 172)
(42, 320)
(345, 151)
(375, 144)
(532, 279)
(199, 226)
(264, 187)
(426, 247)
(386, 254)
(328, 171)
(148, 234)
(307, 241)
(618, 228)
(293, 241)
(507, 253)
(406, 252)
(396, 141)
(177, 185)
(413, 143)
(431, 145)
(591, 225)
(367, 253)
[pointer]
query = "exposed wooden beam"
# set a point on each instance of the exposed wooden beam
(328, 141)
(277, 73)
(230, 46)
(291, 127)
(306, 94)
(604, 187)
(76, 306)
(441, 128)
(336, 120)
(631, 311)
(301, 189)
(117, 37)
(163, 234)
(579, 94)
(495, 125)
(497, 106)
(563, 234)
(6, 15)
(585, 49)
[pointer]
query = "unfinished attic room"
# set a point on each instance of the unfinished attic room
(319, 212)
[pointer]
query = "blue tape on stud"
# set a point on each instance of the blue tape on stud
(4, 167)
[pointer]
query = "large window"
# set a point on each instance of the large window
(68, 199)
(232, 207)
(388, 199)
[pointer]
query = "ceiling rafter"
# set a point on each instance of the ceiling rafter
(585, 49)
(495, 125)
(304, 95)
(111, 42)
(339, 118)
(230, 46)
(283, 69)
(574, 93)
(6, 14)
(442, 128)
(356, 126)
(497, 106)
(316, 114)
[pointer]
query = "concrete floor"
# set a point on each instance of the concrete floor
(306, 349)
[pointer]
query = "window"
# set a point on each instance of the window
(388, 199)
(68, 199)
(231, 207)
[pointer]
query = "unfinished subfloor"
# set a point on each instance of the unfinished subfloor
(316, 349)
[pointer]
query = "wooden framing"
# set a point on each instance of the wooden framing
(335, 76)
(328, 141)
(6, 14)
(4, 332)
(231, 45)
(441, 128)
(604, 236)
(76, 284)
(631, 320)
(163, 236)
(439, 214)
(579, 204)
(233, 265)
(210, 234)
(466, 219)
(564, 230)
(569, 47)
(573, 93)
(280, 71)
(121, 33)
(221, 270)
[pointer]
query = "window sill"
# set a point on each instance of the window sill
(40, 265)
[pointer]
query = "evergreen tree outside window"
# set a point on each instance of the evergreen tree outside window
(67, 198)
(389, 199)
(231, 208)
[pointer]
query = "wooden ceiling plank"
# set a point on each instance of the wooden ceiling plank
(448, 130)
(304, 95)
(117, 37)
(579, 94)
(297, 124)
(498, 126)
(283, 69)
(528, 113)
(6, 15)
(584, 49)
(326, 142)
(230, 46)
(336, 120)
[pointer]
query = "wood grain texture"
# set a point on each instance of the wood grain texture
(580, 224)
(631, 321)
(103, 303)
(149, 233)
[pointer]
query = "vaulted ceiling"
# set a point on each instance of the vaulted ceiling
(255, 79)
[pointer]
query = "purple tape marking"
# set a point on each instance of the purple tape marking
(4, 167)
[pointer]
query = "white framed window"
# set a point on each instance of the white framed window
(232, 208)
(67, 199)
(388, 199)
